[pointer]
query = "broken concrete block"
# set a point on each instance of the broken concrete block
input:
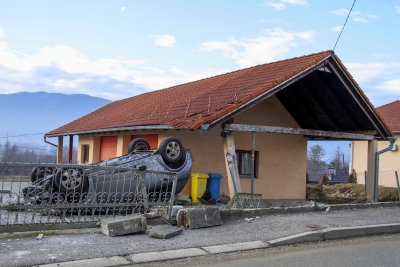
(164, 231)
(199, 217)
(123, 225)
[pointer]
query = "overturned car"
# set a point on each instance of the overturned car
(154, 174)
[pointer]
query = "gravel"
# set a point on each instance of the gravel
(30, 251)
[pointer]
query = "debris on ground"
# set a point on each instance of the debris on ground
(194, 218)
(123, 225)
(328, 209)
(153, 215)
(164, 231)
(39, 236)
(182, 199)
(249, 220)
(317, 226)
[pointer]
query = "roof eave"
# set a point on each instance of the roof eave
(118, 129)
(267, 94)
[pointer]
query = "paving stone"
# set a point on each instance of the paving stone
(194, 218)
(164, 231)
(98, 262)
(166, 255)
(123, 225)
(236, 247)
(298, 238)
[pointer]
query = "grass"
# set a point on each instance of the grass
(15, 179)
(354, 191)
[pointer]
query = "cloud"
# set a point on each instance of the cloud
(2, 35)
(391, 86)
(165, 40)
(282, 4)
(64, 69)
(397, 8)
(337, 28)
(122, 8)
(260, 49)
(357, 16)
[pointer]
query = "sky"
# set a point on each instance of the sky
(116, 49)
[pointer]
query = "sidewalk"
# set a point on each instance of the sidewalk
(60, 248)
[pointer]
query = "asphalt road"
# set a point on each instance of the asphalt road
(367, 251)
(24, 251)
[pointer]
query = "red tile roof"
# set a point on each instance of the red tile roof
(391, 115)
(190, 105)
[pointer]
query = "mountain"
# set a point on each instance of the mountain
(32, 114)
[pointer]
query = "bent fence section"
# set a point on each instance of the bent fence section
(66, 193)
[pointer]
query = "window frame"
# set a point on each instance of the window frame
(85, 153)
(239, 152)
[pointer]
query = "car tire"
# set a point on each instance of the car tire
(171, 150)
(138, 144)
(71, 181)
(40, 172)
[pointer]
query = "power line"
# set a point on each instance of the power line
(344, 25)
(20, 135)
(35, 148)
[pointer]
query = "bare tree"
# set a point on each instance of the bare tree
(315, 157)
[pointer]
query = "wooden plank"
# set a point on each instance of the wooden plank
(229, 147)
(297, 131)
(60, 149)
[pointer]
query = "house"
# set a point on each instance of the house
(389, 161)
(278, 106)
(334, 175)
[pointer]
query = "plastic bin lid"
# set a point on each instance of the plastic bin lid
(215, 175)
(200, 175)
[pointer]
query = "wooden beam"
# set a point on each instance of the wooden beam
(60, 149)
(229, 147)
(320, 106)
(362, 103)
(70, 148)
(297, 131)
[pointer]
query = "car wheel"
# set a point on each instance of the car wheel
(138, 144)
(40, 172)
(171, 150)
(71, 181)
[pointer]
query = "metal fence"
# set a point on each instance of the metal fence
(50, 193)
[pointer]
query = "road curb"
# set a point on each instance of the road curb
(236, 214)
(312, 236)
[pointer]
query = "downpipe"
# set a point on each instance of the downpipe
(47, 142)
(376, 174)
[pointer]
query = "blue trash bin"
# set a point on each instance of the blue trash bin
(214, 184)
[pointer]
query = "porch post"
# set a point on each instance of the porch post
(60, 149)
(122, 144)
(370, 178)
(229, 147)
(70, 148)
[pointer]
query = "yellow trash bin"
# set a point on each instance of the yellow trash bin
(199, 184)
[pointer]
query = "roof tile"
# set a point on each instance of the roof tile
(189, 105)
(391, 115)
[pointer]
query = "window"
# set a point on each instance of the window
(244, 163)
(85, 153)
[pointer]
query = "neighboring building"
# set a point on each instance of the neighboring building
(335, 176)
(389, 161)
(285, 97)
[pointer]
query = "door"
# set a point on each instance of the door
(108, 147)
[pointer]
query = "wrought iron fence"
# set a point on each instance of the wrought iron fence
(50, 193)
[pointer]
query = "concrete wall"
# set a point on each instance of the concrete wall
(282, 158)
(389, 162)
